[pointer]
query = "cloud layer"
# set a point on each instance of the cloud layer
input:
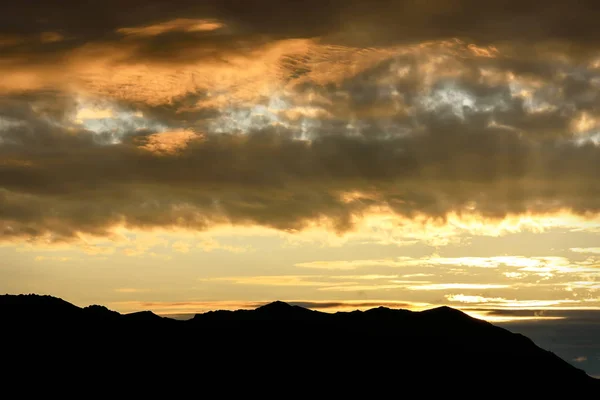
(224, 114)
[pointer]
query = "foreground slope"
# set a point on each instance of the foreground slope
(381, 346)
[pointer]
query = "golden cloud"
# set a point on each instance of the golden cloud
(179, 24)
(168, 143)
(463, 286)
(502, 302)
(272, 280)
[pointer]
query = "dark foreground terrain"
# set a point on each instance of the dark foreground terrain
(276, 349)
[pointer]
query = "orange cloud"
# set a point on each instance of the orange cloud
(130, 290)
(169, 143)
(179, 24)
(502, 302)
(464, 286)
(53, 258)
(51, 37)
(272, 280)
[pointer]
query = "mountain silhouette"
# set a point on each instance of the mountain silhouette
(373, 352)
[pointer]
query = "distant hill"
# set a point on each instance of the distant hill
(440, 349)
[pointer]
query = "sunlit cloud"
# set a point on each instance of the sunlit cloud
(54, 258)
(514, 275)
(473, 299)
(364, 277)
(180, 24)
(169, 143)
(143, 245)
(464, 286)
(588, 285)
(361, 288)
(181, 247)
(381, 229)
(502, 302)
(97, 250)
(130, 290)
(586, 250)
(51, 37)
(89, 113)
(521, 263)
(274, 280)
(342, 283)
(210, 244)
(351, 265)
(493, 318)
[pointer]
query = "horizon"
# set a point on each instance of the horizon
(493, 315)
(325, 307)
(182, 157)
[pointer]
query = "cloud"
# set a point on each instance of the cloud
(573, 315)
(361, 288)
(206, 115)
(376, 282)
(53, 258)
(464, 286)
(181, 247)
(588, 250)
(368, 277)
(168, 142)
(130, 290)
(591, 285)
(209, 245)
(267, 190)
(51, 37)
(164, 257)
(514, 275)
(351, 264)
(274, 280)
(538, 265)
(473, 299)
(502, 302)
(141, 246)
(340, 283)
(180, 24)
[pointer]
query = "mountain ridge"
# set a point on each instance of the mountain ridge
(289, 336)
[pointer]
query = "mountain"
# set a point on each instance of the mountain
(345, 353)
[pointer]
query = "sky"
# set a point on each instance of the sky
(187, 156)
